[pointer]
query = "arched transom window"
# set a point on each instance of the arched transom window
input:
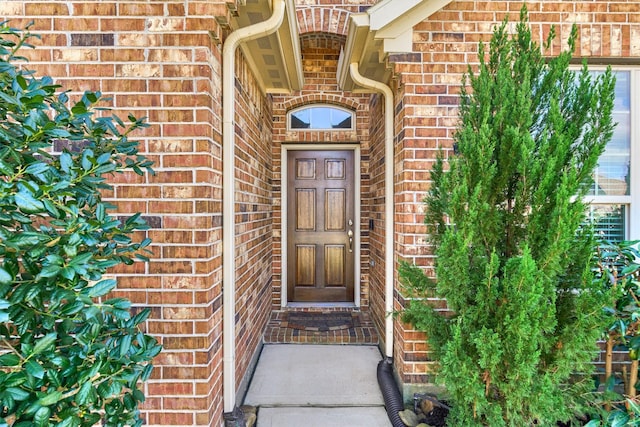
(320, 117)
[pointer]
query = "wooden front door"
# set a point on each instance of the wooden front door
(320, 226)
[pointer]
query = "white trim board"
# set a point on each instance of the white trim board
(283, 209)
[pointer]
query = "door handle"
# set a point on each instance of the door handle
(350, 234)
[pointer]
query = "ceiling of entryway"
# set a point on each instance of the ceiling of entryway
(276, 58)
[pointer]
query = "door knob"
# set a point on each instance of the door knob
(350, 234)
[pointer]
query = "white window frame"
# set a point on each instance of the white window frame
(332, 106)
(630, 202)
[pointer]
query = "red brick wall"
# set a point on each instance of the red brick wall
(377, 235)
(253, 217)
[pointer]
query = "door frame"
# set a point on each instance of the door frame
(283, 212)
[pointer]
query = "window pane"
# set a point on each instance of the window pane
(611, 177)
(341, 120)
(608, 221)
(321, 118)
(300, 119)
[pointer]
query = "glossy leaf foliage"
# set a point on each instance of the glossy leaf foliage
(617, 267)
(505, 219)
(69, 354)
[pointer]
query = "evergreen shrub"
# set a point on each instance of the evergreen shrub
(504, 216)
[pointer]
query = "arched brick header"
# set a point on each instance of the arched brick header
(319, 98)
(317, 20)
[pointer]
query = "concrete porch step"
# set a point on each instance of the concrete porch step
(317, 386)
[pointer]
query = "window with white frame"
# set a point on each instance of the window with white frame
(320, 117)
(615, 195)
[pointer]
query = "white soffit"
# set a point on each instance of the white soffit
(384, 28)
(276, 59)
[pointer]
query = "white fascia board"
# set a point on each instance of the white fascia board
(401, 43)
(390, 19)
(354, 48)
(291, 48)
(387, 11)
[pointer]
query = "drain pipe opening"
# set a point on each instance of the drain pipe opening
(393, 402)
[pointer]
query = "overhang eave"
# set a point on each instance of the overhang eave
(384, 28)
(276, 59)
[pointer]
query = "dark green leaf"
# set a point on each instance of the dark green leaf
(138, 395)
(27, 203)
(68, 273)
(146, 372)
(79, 108)
(84, 394)
(124, 345)
(630, 269)
(92, 97)
(37, 168)
(120, 303)
(51, 208)
(25, 239)
(41, 417)
(44, 343)
(5, 168)
(17, 393)
(58, 133)
(104, 158)
(90, 312)
(70, 421)
(72, 308)
(86, 162)
(66, 162)
(34, 369)
(50, 398)
(620, 419)
(101, 288)
(100, 212)
(634, 406)
(5, 277)
(50, 270)
(9, 359)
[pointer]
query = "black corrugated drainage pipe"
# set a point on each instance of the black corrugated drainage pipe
(390, 392)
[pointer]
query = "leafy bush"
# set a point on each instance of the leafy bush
(618, 268)
(513, 261)
(68, 355)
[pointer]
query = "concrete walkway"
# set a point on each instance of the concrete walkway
(317, 386)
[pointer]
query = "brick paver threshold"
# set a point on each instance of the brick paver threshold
(321, 327)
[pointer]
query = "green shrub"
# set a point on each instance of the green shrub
(618, 267)
(513, 261)
(68, 355)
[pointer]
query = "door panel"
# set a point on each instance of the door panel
(335, 214)
(305, 265)
(334, 258)
(320, 230)
(306, 209)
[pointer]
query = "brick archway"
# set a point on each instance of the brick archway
(338, 100)
(323, 20)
